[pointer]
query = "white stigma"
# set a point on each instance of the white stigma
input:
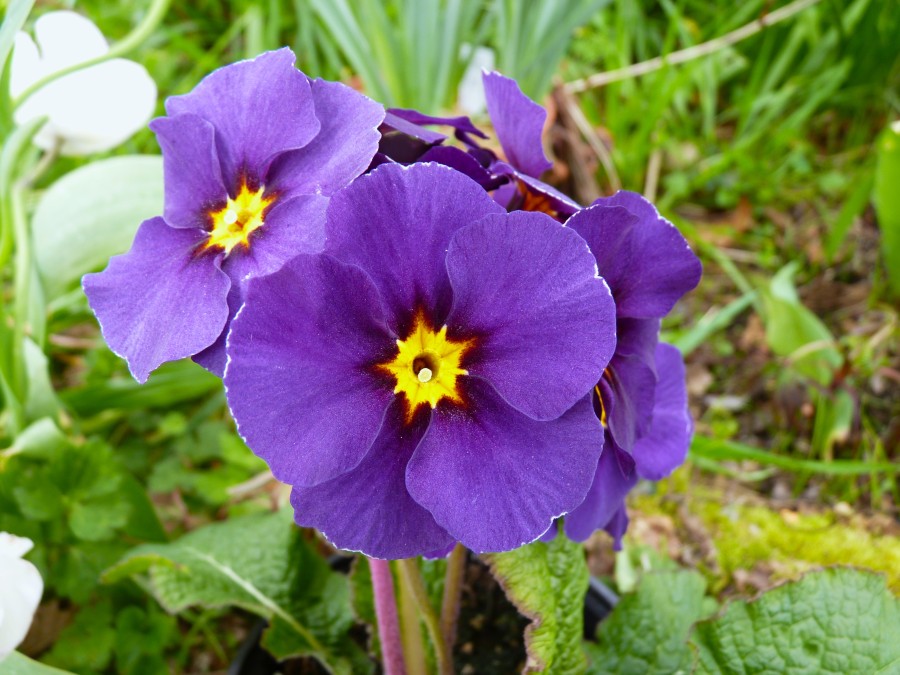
(230, 217)
(424, 375)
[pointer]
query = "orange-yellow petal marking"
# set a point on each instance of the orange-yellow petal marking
(427, 366)
(239, 218)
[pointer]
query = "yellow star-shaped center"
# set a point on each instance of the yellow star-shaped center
(239, 218)
(427, 366)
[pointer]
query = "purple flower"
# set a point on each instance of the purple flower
(250, 157)
(423, 381)
(641, 398)
(518, 122)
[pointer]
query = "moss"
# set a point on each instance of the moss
(753, 538)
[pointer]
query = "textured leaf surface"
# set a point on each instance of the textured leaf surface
(547, 583)
(648, 631)
(834, 621)
(91, 214)
(262, 564)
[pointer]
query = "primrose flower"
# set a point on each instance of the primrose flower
(424, 380)
(641, 398)
(518, 122)
(90, 110)
(250, 157)
(21, 588)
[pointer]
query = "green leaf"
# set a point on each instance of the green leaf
(41, 400)
(833, 621)
(91, 214)
(887, 202)
(172, 384)
(262, 564)
(98, 519)
(88, 642)
(834, 417)
(725, 450)
(13, 20)
(41, 438)
(793, 331)
(19, 664)
(547, 583)
(648, 630)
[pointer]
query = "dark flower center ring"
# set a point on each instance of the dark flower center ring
(427, 366)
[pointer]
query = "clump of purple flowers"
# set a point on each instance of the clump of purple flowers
(426, 341)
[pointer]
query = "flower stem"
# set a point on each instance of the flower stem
(135, 38)
(409, 568)
(386, 610)
(453, 582)
(411, 630)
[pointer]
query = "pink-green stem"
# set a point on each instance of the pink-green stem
(388, 623)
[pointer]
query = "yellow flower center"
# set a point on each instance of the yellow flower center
(427, 366)
(239, 218)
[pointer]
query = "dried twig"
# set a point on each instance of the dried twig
(690, 53)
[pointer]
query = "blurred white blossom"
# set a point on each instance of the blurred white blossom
(90, 110)
(21, 588)
(472, 100)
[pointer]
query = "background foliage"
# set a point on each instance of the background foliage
(158, 533)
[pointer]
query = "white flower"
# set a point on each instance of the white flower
(90, 110)
(21, 588)
(472, 100)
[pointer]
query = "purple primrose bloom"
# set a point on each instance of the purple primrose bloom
(423, 381)
(250, 158)
(641, 398)
(518, 122)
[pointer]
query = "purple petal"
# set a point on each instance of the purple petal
(192, 174)
(527, 288)
(627, 390)
(462, 125)
(399, 123)
(341, 151)
(638, 337)
(369, 509)
(645, 260)
(617, 526)
(494, 478)
(665, 446)
(614, 477)
(298, 379)
(396, 224)
(519, 123)
(259, 108)
(214, 357)
(161, 301)
(293, 226)
(463, 162)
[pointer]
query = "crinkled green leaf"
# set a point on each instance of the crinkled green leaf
(648, 630)
(260, 563)
(834, 621)
(547, 583)
(91, 214)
